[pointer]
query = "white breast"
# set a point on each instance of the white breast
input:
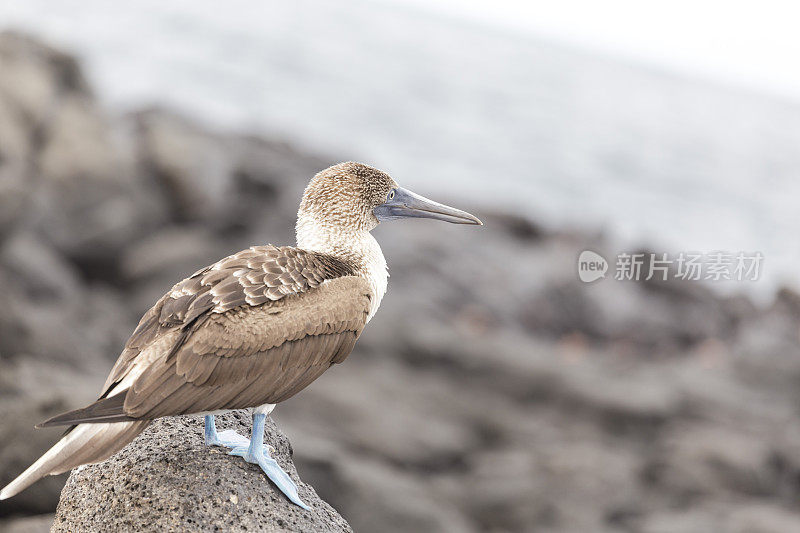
(357, 246)
(376, 273)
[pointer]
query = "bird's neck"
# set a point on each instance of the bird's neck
(357, 247)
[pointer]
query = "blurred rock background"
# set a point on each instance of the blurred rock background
(493, 391)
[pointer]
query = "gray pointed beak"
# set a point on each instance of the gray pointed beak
(406, 204)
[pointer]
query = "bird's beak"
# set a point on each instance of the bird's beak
(406, 204)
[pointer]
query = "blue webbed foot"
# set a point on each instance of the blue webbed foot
(254, 452)
(227, 438)
(273, 471)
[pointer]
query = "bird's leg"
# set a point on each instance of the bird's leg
(228, 438)
(255, 453)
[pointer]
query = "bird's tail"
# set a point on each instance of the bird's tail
(83, 444)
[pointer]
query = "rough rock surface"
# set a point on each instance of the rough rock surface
(168, 480)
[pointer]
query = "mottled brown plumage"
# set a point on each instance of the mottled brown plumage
(254, 355)
(243, 332)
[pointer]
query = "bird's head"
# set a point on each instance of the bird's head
(353, 197)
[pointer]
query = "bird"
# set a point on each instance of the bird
(251, 330)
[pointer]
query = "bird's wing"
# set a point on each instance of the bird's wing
(254, 328)
(250, 278)
(252, 356)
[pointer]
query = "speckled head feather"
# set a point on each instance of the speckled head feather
(342, 197)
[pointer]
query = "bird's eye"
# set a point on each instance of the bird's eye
(391, 195)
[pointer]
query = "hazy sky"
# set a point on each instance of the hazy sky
(754, 44)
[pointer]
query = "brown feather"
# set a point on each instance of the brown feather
(103, 410)
(217, 289)
(251, 356)
(254, 328)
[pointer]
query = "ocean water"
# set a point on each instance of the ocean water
(464, 111)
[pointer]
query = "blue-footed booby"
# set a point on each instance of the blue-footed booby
(251, 330)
